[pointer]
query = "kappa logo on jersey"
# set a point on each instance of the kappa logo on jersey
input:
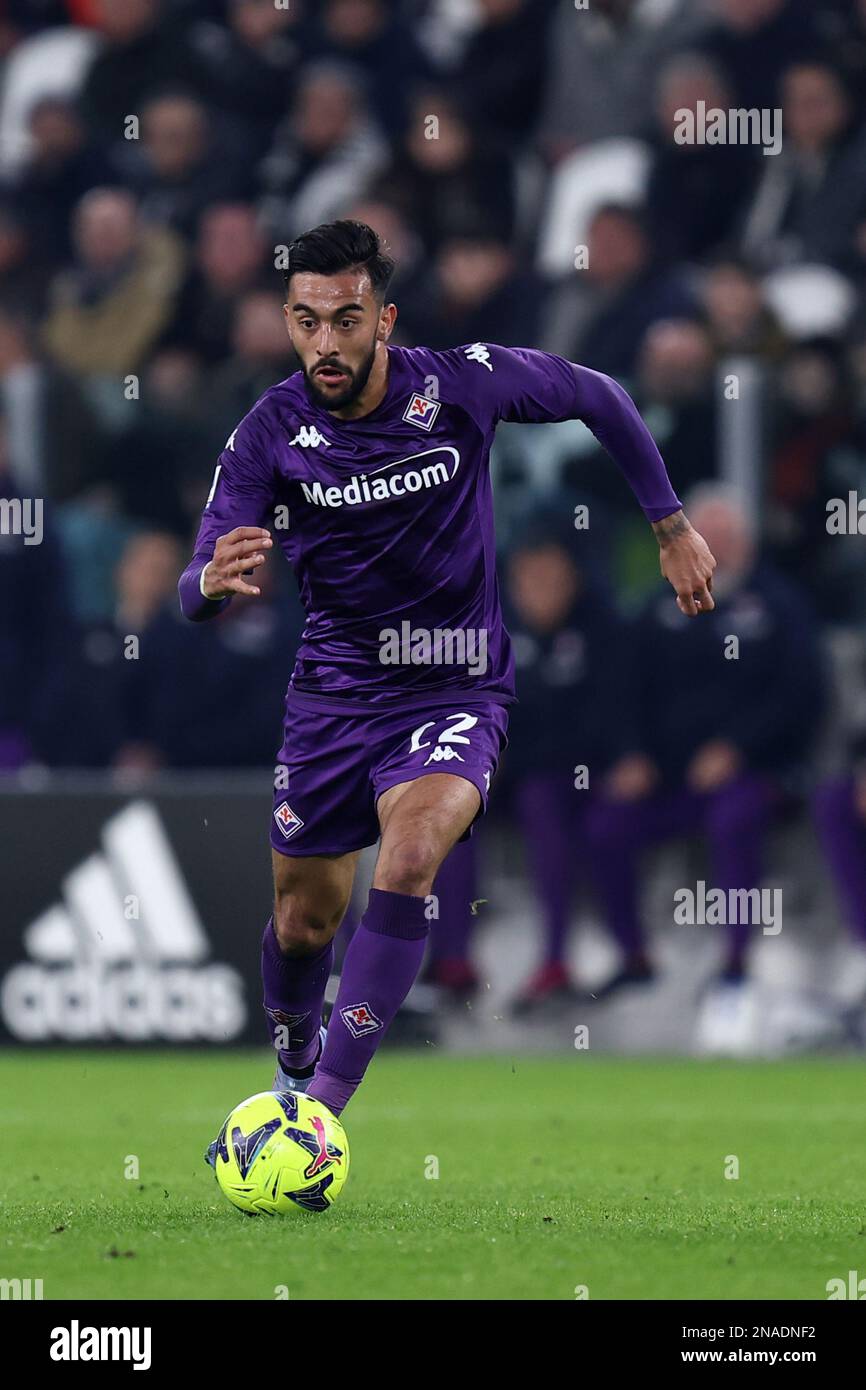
(287, 820)
(309, 438)
(360, 1019)
(422, 411)
(479, 352)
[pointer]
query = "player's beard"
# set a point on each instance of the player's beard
(357, 381)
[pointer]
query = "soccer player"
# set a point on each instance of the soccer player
(370, 468)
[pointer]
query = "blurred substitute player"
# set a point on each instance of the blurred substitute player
(370, 465)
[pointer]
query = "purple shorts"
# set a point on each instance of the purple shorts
(334, 766)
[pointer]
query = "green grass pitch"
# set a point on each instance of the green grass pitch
(553, 1174)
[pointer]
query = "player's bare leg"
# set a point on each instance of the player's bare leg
(311, 894)
(420, 821)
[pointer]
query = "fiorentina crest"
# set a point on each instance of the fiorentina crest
(422, 411)
(360, 1019)
(286, 819)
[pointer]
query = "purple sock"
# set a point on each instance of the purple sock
(381, 965)
(294, 991)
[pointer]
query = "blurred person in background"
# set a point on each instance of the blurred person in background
(600, 314)
(212, 697)
(499, 79)
(109, 309)
(246, 66)
(450, 966)
(325, 154)
(91, 709)
(696, 192)
(756, 40)
(56, 447)
(478, 289)
(33, 618)
(159, 460)
(60, 168)
(181, 164)
(719, 733)
(848, 50)
(22, 275)
(444, 172)
(398, 232)
(676, 390)
(260, 357)
(811, 198)
(377, 38)
(568, 653)
(839, 810)
(603, 63)
(814, 455)
(230, 258)
(143, 47)
(739, 320)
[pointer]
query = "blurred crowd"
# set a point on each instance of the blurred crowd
(521, 159)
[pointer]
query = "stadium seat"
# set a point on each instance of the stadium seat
(609, 171)
(810, 300)
(50, 64)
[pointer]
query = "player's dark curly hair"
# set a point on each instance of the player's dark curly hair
(336, 246)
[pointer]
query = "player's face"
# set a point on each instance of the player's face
(335, 324)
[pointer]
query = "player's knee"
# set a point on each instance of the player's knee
(408, 867)
(300, 931)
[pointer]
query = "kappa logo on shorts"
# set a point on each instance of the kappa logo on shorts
(287, 820)
(360, 1019)
(422, 411)
(443, 754)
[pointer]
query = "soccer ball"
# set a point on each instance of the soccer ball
(279, 1151)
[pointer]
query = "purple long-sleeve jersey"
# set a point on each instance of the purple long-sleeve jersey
(387, 520)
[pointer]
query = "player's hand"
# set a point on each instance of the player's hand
(632, 778)
(235, 554)
(715, 764)
(687, 563)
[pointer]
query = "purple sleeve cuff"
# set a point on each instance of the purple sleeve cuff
(614, 419)
(193, 603)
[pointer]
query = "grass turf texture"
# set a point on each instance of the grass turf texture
(553, 1173)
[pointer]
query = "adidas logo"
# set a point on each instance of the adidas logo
(479, 352)
(124, 954)
(309, 438)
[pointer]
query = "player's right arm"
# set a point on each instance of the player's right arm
(232, 542)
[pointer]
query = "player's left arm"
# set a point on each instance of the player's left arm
(535, 387)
